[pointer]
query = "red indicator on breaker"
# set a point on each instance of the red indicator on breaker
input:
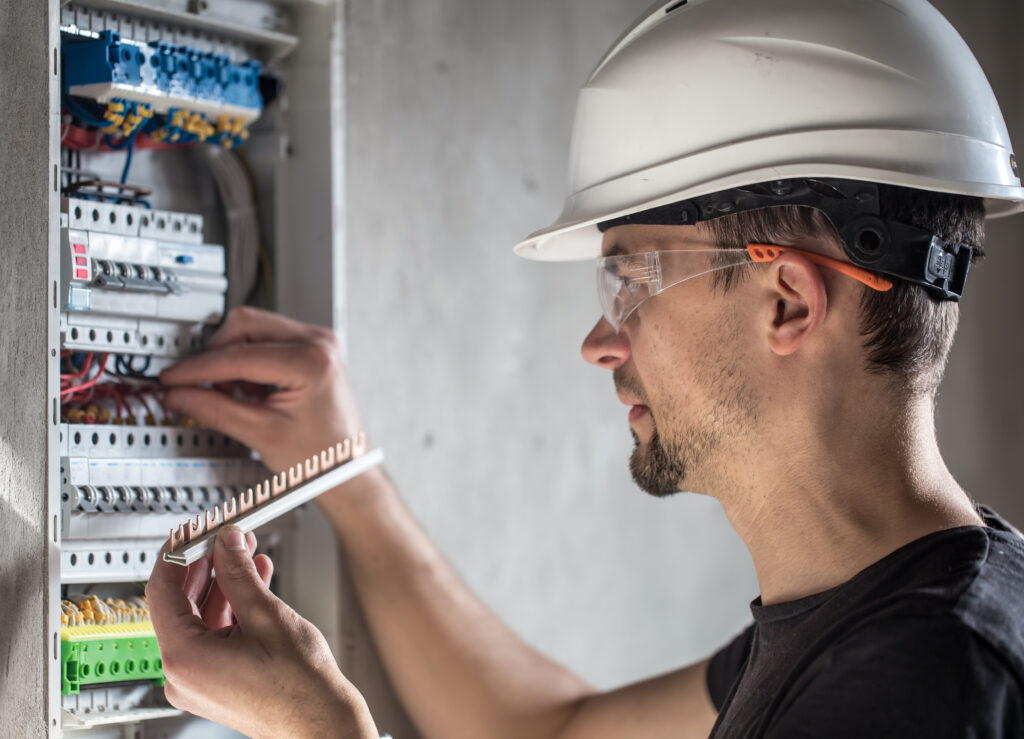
(79, 248)
(80, 261)
(81, 274)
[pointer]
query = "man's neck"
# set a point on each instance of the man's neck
(814, 518)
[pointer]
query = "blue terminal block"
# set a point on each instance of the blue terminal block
(243, 84)
(201, 94)
(107, 59)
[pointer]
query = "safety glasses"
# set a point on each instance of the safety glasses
(627, 280)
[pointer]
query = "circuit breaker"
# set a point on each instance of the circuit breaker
(171, 188)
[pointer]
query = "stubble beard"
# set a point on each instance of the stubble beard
(676, 462)
(663, 468)
(654, 470)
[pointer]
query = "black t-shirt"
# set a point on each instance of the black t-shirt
(927, 642)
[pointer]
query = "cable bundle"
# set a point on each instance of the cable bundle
(86, 399)
(89, 610)
(243, 247)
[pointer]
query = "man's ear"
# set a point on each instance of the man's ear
(800, 301)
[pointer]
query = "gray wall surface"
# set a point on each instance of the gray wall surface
(981, 405)
(509, 449)
(28, 556)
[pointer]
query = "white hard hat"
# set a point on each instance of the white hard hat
(703, 96)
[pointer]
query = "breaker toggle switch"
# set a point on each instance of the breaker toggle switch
(141, 499)
(123, 499)
(106, 499)
(135, 278)
(88, 499)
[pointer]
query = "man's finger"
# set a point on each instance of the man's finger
(216, 611)
(265, 568)
(248, 325)
(170, 610)
(281, 363)
(238, 578)
(197, 579)
(214, 410)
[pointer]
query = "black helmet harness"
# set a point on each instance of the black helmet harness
(870, 241)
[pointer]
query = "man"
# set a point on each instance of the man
(777, 323)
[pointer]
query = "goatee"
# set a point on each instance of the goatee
(655, 470)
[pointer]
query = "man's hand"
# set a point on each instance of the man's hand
(241, 656)
(309, 406)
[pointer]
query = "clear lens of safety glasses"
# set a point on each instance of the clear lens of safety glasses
(624, 282)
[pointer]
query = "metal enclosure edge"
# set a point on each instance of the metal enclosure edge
(309, 248)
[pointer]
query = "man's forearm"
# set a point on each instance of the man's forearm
(458, 670)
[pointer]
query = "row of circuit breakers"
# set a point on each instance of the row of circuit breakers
(136, 284)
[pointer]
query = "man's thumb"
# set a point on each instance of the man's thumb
(237, 576)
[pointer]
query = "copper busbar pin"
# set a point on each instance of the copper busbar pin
(279, 494)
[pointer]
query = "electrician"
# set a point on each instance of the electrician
(784, 198)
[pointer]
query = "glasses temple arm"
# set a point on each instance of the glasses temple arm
(769, 253)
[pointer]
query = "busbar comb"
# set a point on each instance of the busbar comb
(273, 497)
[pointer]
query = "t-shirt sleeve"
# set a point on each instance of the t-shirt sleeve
(726, 665)
(912, 678)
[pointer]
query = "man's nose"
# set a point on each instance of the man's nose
(604, 347)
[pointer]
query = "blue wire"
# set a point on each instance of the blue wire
(79, 111)
(128, 159)
(116, 147)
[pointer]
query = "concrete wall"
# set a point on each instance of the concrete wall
(510, 450)
(981, 407)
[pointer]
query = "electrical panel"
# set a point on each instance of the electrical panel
(160, 235)
(170, 160)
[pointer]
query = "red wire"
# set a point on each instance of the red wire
(81, 373)
(88, 383)
(112, 392)
(149, 411)
(76, 137)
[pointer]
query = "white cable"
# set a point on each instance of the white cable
(239, 203)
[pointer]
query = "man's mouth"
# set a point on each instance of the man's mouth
(637, 409)
(631, 394)
(637, 412)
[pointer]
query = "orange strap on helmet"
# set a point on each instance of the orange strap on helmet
(769, 253)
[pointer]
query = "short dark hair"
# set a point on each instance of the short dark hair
(907, 331)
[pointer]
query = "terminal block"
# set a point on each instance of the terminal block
(137, 281)
(107, 641)
(111, 653)
(172, 92)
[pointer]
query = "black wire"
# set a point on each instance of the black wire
(123, 368)
(145, 367)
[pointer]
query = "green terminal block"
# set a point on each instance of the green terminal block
(96, 655)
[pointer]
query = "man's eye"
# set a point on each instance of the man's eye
(629, 284)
